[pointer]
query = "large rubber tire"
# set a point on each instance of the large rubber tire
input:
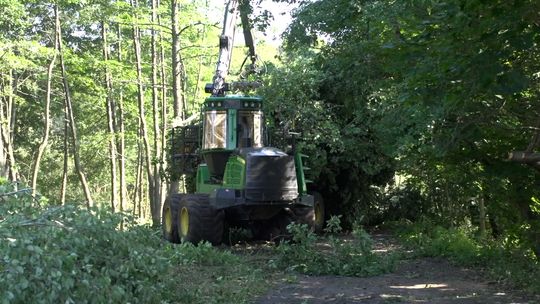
(313, 217)
(198, 221)
(169, 214)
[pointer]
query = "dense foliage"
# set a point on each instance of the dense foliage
(438, 91)
(67, 254)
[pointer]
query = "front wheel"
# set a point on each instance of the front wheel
(169, 214)
(198, 221)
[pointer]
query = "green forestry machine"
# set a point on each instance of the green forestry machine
(239, 182)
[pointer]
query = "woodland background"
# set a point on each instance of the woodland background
(408, 109)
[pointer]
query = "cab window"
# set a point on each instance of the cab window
(215, 129)
(249, 129)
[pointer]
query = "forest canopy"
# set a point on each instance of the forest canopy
(416, 106)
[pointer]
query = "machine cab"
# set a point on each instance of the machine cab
(230, 123)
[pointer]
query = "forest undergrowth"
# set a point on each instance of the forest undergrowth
(71, 254)
(505, 261)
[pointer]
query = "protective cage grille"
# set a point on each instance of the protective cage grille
(184, 157)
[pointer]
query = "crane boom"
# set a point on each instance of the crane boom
(233, 8)
(225, 47)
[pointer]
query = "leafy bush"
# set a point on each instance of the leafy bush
(309, 254)
(67, 254)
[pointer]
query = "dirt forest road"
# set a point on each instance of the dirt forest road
(418, 280)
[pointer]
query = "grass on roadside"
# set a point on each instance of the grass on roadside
(504, 261)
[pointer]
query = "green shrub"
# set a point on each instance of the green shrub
(309, 254)
(68, 254)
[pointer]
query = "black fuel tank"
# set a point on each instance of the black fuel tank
(270, 175)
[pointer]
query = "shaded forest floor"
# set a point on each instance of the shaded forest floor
(415, 280)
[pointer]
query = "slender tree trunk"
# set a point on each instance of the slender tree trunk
(183, 89)
(4, 128)
(47, 118)
(111, 120)
(144, 130)
(482, 215)
(163, 111)
(4, 135)
(3, 156)
(7, 125)
(144, 195)
(74, 138)
(66, 157)
(176, 62)
(156, 195)
(138, 178)
(121, 143)
(12, 108)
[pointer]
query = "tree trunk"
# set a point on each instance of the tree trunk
(3, 156)
(138, 178)
(163, 77)
(7, 125)
(121, 139)
(4, 132)
(142, 116)
(183, 89)
(47, 118)
(156, 195)
(63, 190)
(74, 138)
(176, 68)
(12, 107)
(111, 120)
(482, 215)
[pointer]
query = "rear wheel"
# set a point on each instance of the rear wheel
(198, 221)
(169, 214)
(313, 217)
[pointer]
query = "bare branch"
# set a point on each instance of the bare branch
(145, 25)
(216, 25)
(198, 46)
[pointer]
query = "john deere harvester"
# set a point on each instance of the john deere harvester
(239, 181)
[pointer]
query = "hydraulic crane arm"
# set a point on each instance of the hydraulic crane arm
(233, 8)
(225, 47)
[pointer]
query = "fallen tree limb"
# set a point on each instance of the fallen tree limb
(523, 157)
(26, 191)
(177, 122)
